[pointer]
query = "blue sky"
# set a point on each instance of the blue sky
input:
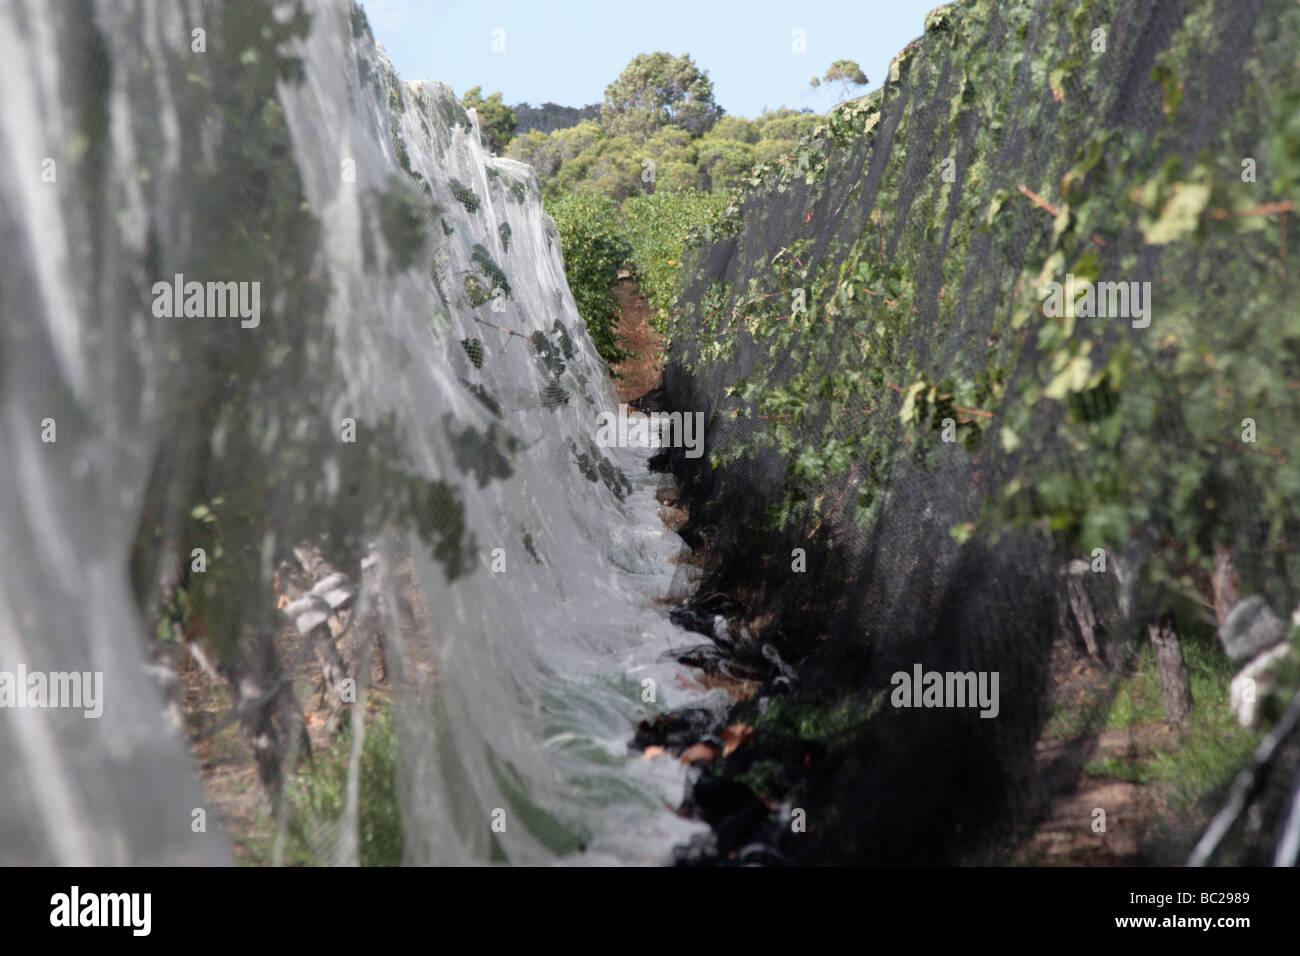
(568, 51)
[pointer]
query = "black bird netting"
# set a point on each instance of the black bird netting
(1008, 352)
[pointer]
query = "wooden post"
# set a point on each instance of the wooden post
(1084, 616)
(1175, 684)
(1225, 584)
(270, 717)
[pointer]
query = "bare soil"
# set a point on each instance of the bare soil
(642, 373)
(1066, 836)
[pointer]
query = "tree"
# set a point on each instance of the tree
(737, 128)
(724, 162)
(846, 73)
(497, 120)
(657, 90)
(786, 124)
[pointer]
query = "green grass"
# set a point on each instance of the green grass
(1211, 747)
(1069, 723)
(318, 793)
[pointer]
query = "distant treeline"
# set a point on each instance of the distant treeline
(551, 116)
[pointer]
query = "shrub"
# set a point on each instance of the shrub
(656, 225)
(593, 249)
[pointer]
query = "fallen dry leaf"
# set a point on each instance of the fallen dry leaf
(736, 735)
(699, 753)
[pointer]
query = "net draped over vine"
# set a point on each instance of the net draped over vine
(391, 470)
(888, 389)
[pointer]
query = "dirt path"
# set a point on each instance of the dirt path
(1069, 833)
(1067, 836)
(641, 374)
